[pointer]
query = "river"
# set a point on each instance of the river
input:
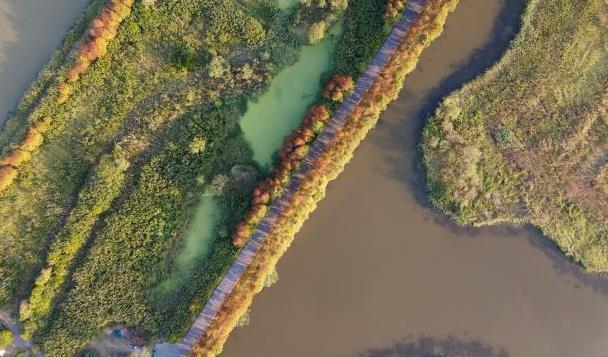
(375, 266)
(30, 31)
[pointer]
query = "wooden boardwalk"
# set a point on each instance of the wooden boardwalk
(335, 124)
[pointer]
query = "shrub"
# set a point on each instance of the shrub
(338, 87)
(33, 139)
(6, 337)
(15, 157)
(316, 32)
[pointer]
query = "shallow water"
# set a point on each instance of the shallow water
(374, 265)
(279, 111)
(30, 31)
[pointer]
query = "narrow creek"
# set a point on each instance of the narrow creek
(375, 265)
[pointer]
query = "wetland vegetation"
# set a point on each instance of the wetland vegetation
(528, 140)
(144, 155)
(111, 150)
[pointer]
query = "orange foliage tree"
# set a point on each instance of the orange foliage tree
(294, 149)
(21, 152)
(338, 87)
(103, 29)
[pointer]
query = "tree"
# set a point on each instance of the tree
(316, 32)
(6, 337)
(197, 145)
(338, 87)
(218, 67)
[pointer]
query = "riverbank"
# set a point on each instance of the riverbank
(526, 142)
(384, 258)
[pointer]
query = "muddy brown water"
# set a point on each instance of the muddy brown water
(374, 265)
(30, 31)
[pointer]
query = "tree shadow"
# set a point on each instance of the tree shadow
(449, 346)
(565, 266)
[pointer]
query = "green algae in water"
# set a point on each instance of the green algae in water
(287, 4)
(280, 110)
(197, 243)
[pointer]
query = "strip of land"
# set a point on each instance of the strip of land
(327, 156)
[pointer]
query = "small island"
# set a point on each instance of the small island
(527, 142)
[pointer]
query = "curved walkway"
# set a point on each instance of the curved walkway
(248, 252)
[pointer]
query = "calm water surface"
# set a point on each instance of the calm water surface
(30, 30)
(375, 265)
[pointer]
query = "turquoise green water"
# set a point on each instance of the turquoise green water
(280, 110)
(197, 242)
(286, 4)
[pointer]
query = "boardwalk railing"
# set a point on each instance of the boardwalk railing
(335, 124)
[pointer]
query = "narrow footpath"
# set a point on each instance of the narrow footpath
(257, 239)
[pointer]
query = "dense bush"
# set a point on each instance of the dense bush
(364, 31)
(497, 151)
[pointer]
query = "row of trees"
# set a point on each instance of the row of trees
(326, 168)
(22, 151)
(107, 177)
(294, 149)
(103, 29)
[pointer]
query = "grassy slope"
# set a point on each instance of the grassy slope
(528, 140)
(112, 188)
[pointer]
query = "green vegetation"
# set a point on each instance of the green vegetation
(95, 217)
(6, 337)
(363, 36)
(325, 169)
(528, 140)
